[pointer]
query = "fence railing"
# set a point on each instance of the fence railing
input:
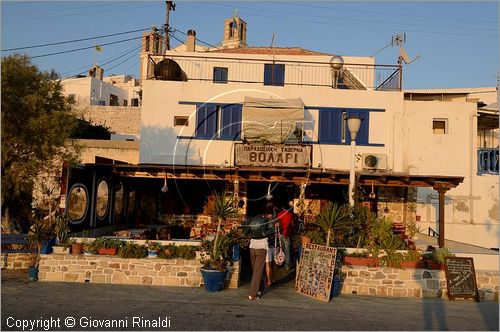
(300, 73)
(487, 161)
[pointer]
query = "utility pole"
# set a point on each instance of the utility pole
(166, 37)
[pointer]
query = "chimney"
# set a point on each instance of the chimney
(191, 41)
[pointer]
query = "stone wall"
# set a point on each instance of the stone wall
(116, 270)
(121, 120)
(15, 261)
(383, 281)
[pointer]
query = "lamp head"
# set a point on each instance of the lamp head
(353, 123)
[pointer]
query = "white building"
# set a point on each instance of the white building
(256, 119)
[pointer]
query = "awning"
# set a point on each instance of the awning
(490, 107)
(271, 120)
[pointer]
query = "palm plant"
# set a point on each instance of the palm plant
(40, 232)
(223, 208)
(332, 219)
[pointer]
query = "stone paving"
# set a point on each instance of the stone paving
(92, 306)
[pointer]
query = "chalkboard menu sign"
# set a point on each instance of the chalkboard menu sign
(461, 278)
(315, 272)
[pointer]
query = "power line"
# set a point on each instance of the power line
(73, 41)
(201, 41)
(83, 48)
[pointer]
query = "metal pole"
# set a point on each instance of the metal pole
(441, 217)
(352, 173)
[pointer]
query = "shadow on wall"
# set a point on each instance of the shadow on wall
(161, 146)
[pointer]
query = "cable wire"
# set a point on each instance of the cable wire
(73, 41)
(83, 48)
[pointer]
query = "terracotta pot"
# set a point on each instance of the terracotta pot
(108, 251)
(364, 261)
(76, 249)
(305, 239)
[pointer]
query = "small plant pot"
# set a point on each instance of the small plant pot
(76, 249)
(60, 250)
(33, 273)
(108, 251)
(411, 264)
(153, 253)
(431, 265)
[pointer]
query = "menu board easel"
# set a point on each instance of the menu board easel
(461, 278)
(315, 271)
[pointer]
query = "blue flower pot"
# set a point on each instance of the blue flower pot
(335, 287)
(236, 252)
(33, 273)
(213, 280)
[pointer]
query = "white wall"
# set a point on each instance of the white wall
(471, 209)
(159, 141)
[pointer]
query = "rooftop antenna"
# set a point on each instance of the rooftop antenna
(399, 40)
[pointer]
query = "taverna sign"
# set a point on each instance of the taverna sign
(272, 155)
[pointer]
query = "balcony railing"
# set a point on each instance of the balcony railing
(487, 161)
(298, 73)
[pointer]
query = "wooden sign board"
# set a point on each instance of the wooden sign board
(461, 278)
(315, 272)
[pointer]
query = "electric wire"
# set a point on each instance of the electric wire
(201, 41)
(83, 48)
(73, 41)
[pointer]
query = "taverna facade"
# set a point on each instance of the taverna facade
(260, 120)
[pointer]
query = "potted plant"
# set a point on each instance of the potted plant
(215, 263)
(153, 249)
(61, 230)
(332, 219)
(391, 243)
(109, 246)
(38, 234)
(434, 260)
(364, 258)
(412, 259)
(132, 250)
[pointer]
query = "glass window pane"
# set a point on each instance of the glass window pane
(118, 204)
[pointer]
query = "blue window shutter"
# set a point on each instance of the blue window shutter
(363, 133)
(279, 75)
(206, 121)
(330, 124)
(231, 122)
(268, 74)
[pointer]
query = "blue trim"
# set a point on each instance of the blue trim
(345, 144)
(344, 108)
(208, 138)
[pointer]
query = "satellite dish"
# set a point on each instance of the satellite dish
(403, 56)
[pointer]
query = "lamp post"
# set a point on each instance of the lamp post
(353, 123)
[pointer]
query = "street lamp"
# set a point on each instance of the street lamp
(353, 123)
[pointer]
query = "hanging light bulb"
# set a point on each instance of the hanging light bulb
(269, 196)
(164, 189)
(372, 194)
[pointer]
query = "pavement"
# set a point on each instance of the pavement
(85, 306)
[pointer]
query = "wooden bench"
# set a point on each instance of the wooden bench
(16, 243)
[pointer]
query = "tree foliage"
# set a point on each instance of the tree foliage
(36, 124)
(88, 130)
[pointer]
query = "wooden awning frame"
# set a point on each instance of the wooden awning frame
(296, 176)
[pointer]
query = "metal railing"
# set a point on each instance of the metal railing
(432, 232)
(487, 161)
(299, 73)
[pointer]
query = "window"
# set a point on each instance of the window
(102, 199)
(125, 102)
(440, 126)
(220, 75)
(333, 127)
(218, 121)
(78, 203)
(102, 103)
(113, 100)
(274, 74)
(134, 102)
(72, 98)
(181, 120)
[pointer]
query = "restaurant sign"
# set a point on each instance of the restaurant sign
(272, 155)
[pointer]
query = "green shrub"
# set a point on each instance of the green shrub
(132, 250)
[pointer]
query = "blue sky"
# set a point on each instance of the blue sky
(457, 41)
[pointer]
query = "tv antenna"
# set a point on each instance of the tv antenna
(399, 40)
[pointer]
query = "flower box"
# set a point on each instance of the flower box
(411, 264)
(365, 261)
(108, 251)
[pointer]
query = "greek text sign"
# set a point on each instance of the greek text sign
(273, 155)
